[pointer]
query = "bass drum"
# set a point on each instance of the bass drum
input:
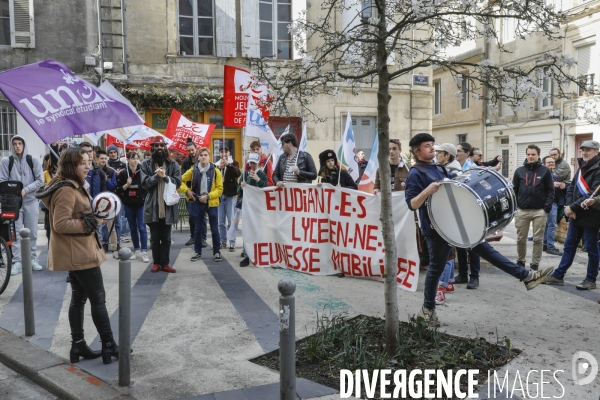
(467, 209)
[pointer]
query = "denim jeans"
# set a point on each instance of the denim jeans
(448, 274)
(160, 240)
(551, 226)
(226, 208)
(125, 228)
(439, 251)
(135, 217)
(88, 284)
(463, 268)
(574, 235)
(438, 254)
(200, 210)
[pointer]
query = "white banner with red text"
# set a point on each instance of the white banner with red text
(325, 230)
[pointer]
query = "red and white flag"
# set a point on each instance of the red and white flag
(180, 128)
(238, 84)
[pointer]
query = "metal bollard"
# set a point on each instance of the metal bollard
(125, 317)
(27, 282)
(287, 339)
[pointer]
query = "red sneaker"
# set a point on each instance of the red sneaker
(450, 287)
(440, 297)
(155, 268)
(168, 268)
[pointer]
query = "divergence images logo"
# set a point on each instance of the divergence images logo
(581, 363)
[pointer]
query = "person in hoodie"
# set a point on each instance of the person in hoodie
(534, 190)
(32, 178)
(132, 194)
(111, 230)
(584, 218)
(330, 172)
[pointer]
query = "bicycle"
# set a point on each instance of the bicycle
(10, 206)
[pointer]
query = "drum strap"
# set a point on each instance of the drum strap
(459, 221)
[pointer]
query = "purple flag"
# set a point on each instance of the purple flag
(58, 104)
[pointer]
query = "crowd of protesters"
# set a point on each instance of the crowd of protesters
(213, 193)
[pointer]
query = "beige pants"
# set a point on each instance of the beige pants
(523, 219)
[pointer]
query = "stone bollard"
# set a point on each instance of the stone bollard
(27, 282)
(125, 317)
(287, 339)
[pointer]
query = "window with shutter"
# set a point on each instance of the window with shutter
(585, 73)
(250, 29)
(437, 99)
(548, 88)
(225, 16)
(464, 102)
(8, 127)
(196, 28)
(21, 23)
(275, 40)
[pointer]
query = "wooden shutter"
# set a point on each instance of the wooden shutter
(250, 29)
(522, 151)
(21, 23)
(297, 7)
(226, 28)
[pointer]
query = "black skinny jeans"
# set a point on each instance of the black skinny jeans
(160, 240)
(86, 284)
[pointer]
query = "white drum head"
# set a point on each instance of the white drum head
(456, 215)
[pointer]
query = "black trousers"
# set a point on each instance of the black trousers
(160, 240)
(88, 284)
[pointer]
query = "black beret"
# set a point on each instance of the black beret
(420, 138)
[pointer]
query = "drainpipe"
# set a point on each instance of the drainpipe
(485, 108)
(124, 37)
(101, 54)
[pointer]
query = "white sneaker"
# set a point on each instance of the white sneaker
(35, 265)
(135, 254)
(116, 255)
(145, 257)
(16, 268)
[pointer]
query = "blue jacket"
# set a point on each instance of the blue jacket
(97, 180)
(416, 182)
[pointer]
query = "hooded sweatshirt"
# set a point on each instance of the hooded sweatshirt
(21, 172)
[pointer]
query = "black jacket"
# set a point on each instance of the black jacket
(589, 218)
(534, 187)
(362, 165)
(306, 165)
(116, 164)
(331, 177)
(231, 174)
(491, 163)
(135, 194)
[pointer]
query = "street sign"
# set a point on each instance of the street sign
(422, 80)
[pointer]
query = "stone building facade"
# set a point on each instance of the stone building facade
(177, 44)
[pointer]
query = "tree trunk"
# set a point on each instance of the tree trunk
(387, 224)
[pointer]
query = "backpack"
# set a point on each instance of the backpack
(28, 158)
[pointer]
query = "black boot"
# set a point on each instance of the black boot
(109, 350)
(81, 349)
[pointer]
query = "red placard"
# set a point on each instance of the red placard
(180, 128)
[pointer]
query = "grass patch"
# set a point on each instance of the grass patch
(359, 343)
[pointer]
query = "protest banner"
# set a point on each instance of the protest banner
(325, 230)
(179, 129)
(57, 104)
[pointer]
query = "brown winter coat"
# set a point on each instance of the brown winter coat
(399, 178)
(70, 248)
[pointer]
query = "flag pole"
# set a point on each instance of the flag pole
(125, 151)
(52, 151)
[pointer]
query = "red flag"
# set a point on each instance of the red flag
(110, 140)
(237, 85)
(180, 128)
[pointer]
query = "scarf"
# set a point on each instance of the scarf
(161, 191)
(203, 181)
(585, 165)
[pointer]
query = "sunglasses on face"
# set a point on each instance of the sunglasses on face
(159, 145)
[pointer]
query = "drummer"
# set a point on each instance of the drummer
(423, 181)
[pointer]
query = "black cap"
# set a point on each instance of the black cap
(420, 138)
